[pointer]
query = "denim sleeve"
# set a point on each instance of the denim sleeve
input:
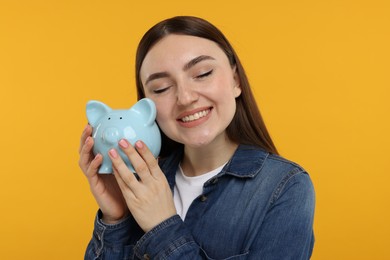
(169, 240)
(287, 231)
(111, 241)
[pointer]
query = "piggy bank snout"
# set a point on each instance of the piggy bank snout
(111, 135)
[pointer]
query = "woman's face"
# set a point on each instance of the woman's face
(194, 88)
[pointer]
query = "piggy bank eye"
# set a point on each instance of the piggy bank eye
(120, 118)
(109, 118)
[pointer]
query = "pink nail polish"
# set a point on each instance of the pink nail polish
(139, 144)
(97, 156)
(113, 153)
(123, 143)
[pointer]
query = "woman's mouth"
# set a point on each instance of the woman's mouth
(195, 116)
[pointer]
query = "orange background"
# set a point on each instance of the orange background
(319, 69)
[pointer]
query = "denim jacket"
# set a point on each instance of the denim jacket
(260, 206)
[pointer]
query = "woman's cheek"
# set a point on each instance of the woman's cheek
(162, 117)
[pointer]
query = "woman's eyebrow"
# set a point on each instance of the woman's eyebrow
(157, 75)
(196, 60)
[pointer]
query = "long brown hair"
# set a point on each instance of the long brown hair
(247, 126)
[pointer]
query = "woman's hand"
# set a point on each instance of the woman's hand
(104, 187)
(149, 196)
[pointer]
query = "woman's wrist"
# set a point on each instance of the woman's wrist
(112, 221)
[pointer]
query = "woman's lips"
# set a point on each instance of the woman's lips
(194, 117)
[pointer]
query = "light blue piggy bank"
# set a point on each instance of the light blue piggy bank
(111, 125)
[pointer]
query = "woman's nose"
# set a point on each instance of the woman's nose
(186, 95)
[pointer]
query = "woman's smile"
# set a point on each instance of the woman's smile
(195, 117)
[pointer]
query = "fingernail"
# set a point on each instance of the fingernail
(87, 140)
(123, 143)
(113, 153)
(139, 144)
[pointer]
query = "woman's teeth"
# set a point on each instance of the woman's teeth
(195, 116)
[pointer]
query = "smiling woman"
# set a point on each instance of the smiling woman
(219, 190)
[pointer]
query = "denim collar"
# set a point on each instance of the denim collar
(246, 162)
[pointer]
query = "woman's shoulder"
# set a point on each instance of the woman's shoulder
(279, 160)
(254, 154)
(265, 165)
(276, 175)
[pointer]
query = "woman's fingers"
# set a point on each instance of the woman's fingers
(149, 199)
(85, 149)
(141, 167)
(123, 185)
(85, 154)
(149, 159)
(143, 162)
(122, 171)
(86, 133)
(94, 165)
(87, 162)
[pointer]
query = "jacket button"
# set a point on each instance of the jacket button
(146, 257)
(203, 198)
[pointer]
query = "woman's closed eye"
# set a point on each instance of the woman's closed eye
(204, 75)
(160, 90)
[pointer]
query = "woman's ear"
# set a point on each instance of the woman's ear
(237, 91)
(237, 86)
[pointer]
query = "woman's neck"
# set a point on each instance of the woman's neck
(200, 160)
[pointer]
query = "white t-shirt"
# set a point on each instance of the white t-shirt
(189, 188)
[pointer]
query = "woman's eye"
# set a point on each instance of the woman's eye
(160, 90)
(203, 75)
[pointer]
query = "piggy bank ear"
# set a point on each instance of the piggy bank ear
(147, 108)
(95, 110)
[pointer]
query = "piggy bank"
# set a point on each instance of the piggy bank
(111, 125)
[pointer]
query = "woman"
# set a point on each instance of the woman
(219, 189)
